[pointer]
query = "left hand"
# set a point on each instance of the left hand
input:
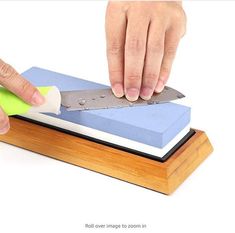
(142, 39)
(14, 82)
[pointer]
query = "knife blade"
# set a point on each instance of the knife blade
(104, 99)
(78, 100)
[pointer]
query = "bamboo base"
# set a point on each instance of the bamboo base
(162, 177)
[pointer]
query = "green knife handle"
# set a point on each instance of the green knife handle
(13, 105)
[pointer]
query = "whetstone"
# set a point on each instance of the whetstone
(163, 177)
(153, 125)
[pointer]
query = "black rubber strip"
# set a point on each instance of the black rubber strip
(139, 153)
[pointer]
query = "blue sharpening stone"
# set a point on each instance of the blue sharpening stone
(154, 125)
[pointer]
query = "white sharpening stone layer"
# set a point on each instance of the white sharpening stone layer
(107, 137)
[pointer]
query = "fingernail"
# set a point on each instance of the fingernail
(132, 94)
(4, 129)
(37, 98)
(146, 93)
(160, 86)
(118, 90)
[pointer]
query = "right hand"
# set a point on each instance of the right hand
(15, 83)
(142, 40)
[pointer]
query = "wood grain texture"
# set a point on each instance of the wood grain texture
(162, 177)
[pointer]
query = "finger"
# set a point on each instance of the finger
(172, 39)
(115, 37)
(153, 59)
(15, 83)
(4, 122)
(135, 49)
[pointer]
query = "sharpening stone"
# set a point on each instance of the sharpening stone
(153, 126)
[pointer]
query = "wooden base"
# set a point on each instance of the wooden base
(162, 177)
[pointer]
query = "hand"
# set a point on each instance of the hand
(142, 39)
(15, 83)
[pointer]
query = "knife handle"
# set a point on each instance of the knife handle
(13, 105)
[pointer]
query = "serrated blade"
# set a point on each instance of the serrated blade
(104, 98)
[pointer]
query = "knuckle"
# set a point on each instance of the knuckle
(150, 79)
(178, 13)
(170, 51)
(135, 45)
(172, 8)
(115, 73)
(26, 89)
(156, 46)
(6, 71)
(165, 70)
(180, 21)
(114, 48)
(133, 78)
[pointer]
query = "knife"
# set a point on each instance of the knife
(79, 100)
(104, 98)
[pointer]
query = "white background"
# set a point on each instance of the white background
(38, 194)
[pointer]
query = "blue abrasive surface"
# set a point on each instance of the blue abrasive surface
(153, 125)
